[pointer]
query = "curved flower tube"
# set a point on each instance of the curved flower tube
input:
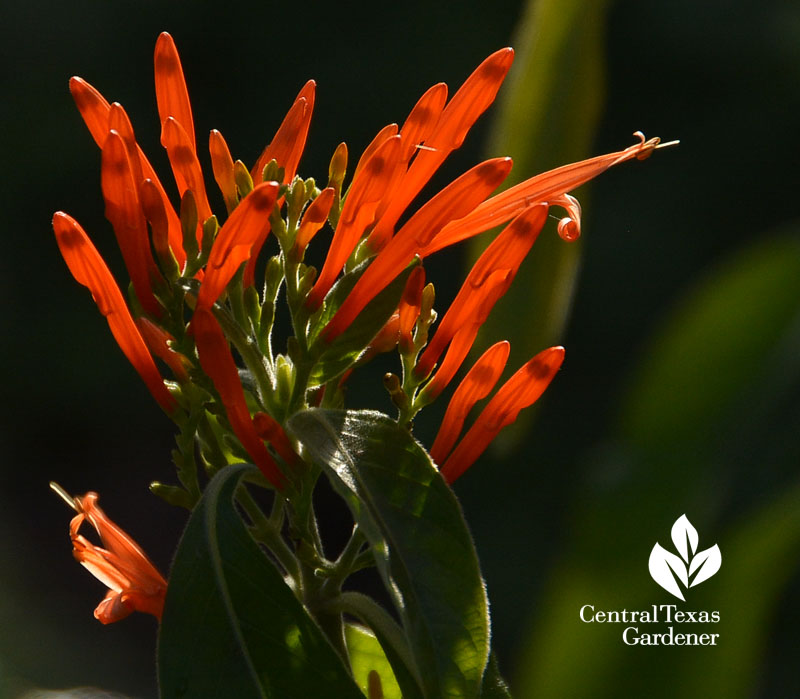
(217, 362)
(134, 584)
(522, 390)
(89, 269)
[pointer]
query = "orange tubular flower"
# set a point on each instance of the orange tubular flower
(457, 118)
(409, 307)
(384, 341)
(290, 138)
(186, 168)
(235, 240)
(270, 429)
(125, 214)
(157, 341)
(285, 149)
(475, 313)
(504, 254)
(543, 188)
(89, 269)
(95, 111)
(387, 132)
(217, 362)
(313, 219)
(133, 581)
(453, 202)
(523, 389)
(222, 164)
(475, 386)
(358, 212)
(172, 96)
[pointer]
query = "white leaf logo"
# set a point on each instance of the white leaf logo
(690, 568)
(684, 536)
(706, 563)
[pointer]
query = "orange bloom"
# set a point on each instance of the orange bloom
(285, 149)
(217, 362)
(186, 168)
(475, 312)
(124, 212)
(89, 269)
(133, 581)
(388, 177)
(523, 389)
(475, 386)
(95, 111)
(270, 429)
(369, 186)
(235, 241)
(453, 202)
(544, 188)
(290, 138)
(454, 121)
(222, 165)
(172, 96)
(313, 219)
(158, 342)
(410, 306)
(504, 255)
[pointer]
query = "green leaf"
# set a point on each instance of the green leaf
(231, 625)
(366, 655)
(418, 536)
(546, 116)
(335, 358)
(388, 634)
(494, 686)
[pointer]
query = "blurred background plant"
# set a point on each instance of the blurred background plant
(680, 313)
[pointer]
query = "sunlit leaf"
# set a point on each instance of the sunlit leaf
(231, 625)
(418, 536)
(366, 655)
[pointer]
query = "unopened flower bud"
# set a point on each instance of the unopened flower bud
(308, 275)
(284, 377)
(296, 200)
(172, 495)
(252, 305)
(273, 172)
(210, 229)
(336, 173)
(189, 224)
(244, 183)
(273, 276)
(392, 384)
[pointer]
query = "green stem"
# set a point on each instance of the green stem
(268, 535)
(345, 564)
(381, 622)
(251, 355)
(302, 372)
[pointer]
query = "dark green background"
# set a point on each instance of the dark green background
(721, 76)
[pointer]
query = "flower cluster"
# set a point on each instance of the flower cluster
(203, 295)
